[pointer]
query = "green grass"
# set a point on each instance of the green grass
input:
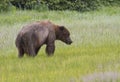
(94, 54)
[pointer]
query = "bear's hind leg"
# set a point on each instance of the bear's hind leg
(20, 52)
(36, 50)
(31, 51)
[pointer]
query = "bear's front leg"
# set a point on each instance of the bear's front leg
(50, 49)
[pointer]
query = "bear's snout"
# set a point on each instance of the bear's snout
(69, 41)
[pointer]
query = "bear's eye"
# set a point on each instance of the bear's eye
(66, 34)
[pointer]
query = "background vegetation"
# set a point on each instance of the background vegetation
(94, 55)
(79, 5)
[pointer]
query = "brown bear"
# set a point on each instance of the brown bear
(32, 36)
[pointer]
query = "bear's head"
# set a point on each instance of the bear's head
(63, 34)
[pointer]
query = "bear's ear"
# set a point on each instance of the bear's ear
(61, 28)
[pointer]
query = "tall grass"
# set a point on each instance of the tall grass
(95, 49)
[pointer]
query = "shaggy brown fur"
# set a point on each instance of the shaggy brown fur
(34, 35)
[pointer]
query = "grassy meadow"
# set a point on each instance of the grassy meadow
(94, 55)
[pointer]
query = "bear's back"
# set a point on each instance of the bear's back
(38, 25)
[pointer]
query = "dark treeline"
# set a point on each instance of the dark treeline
(78, 5)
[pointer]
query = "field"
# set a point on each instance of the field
(94, 55)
